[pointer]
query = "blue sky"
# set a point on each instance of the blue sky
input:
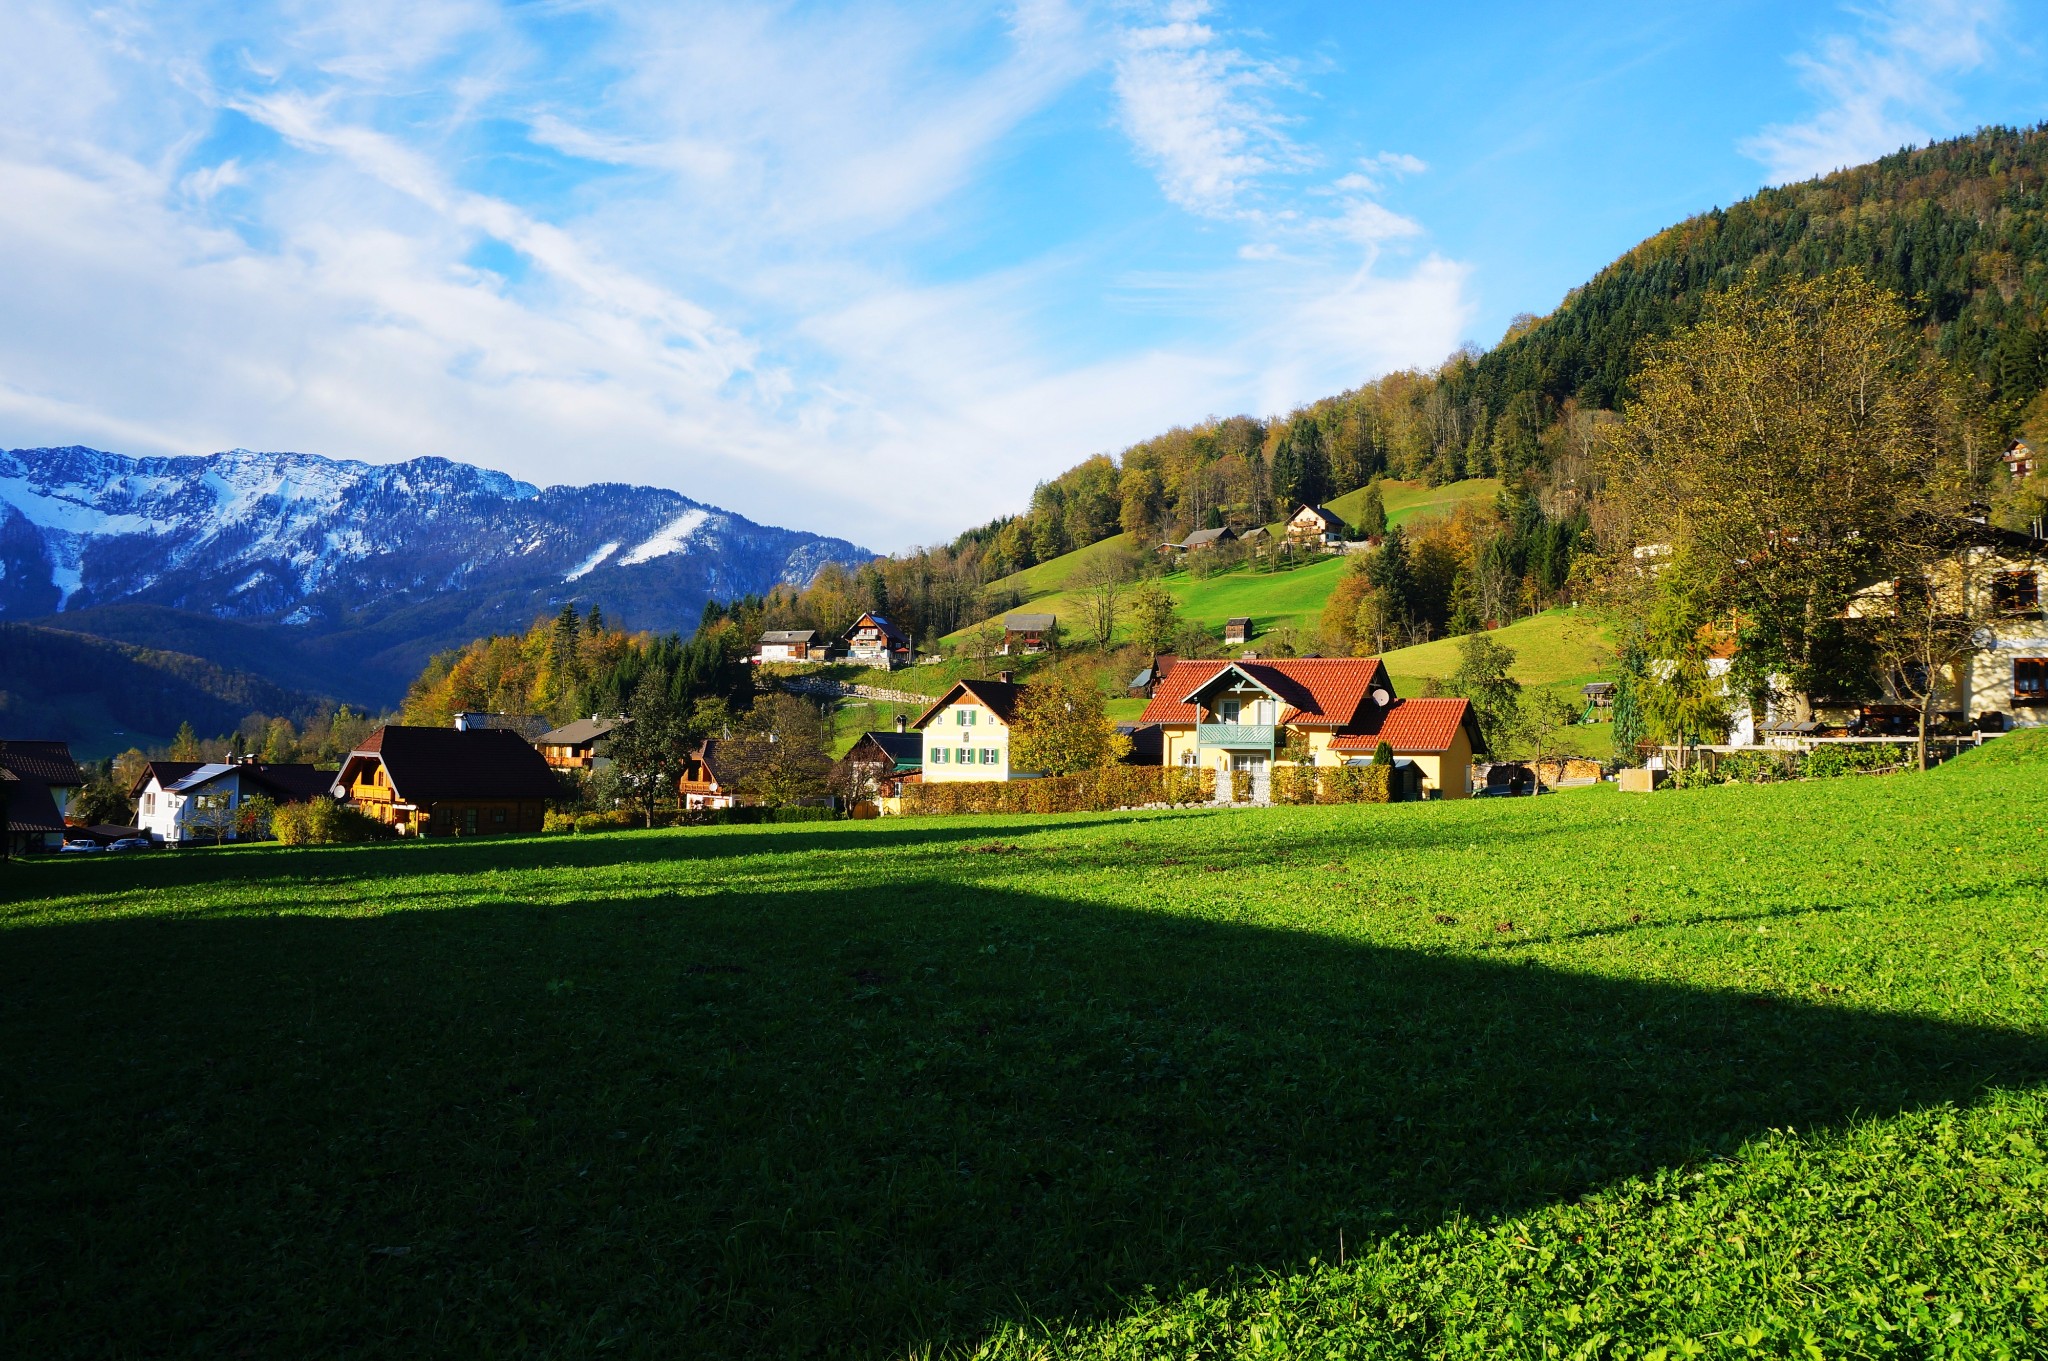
(867, 269)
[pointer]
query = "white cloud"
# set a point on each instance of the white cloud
(717, 285)
(1196, 109)
(1881, 89)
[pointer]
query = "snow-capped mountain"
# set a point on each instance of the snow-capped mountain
(318, 547)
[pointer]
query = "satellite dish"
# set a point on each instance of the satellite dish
(1983, 638)
(1381, 698)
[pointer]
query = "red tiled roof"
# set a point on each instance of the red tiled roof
(1316, 692)
(1414, 725)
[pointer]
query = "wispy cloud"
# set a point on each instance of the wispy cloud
(1197, 109)
(1881, 88)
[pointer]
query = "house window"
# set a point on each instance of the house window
(2030, 680)
(1231, 710)
(2016, 592)
(990, 755)
(964, 717)
(940, 756)
(498, 816)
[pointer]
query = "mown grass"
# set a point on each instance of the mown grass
(1738, 1071)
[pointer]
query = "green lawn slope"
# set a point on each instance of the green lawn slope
(1749, 1070)
(1405, 501)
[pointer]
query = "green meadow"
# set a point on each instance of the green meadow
(1741, 1071)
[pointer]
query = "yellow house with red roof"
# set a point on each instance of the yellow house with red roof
(1237, 716)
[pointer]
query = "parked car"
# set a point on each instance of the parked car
(80, 848)
(133, 843)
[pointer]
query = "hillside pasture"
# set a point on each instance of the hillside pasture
(1752, 1070)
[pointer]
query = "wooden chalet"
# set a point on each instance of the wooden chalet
(700, 785)
(2021, 461)
(579, 745)
(1238, 630)
(1024, 634)
(879, 764)
(874, 641)
(1316, 525)
(1202, 539)
(448, 781)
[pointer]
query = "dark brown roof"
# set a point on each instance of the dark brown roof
(36, 766)
(579, 733)
(429, 765)
(1000, 696)
(888, 629)
(49, 762)
(903, 751)
(288, 783)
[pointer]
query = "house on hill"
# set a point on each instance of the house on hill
(2020, 461)
(966, 732)
(1318, 525)
(791, 645)
(448, 781)
(874, 641)
(1026, 634)
(580, 745)
(42, 781)
(177, 802)
(1238, 716)
(1239, 630)
(1202, 539)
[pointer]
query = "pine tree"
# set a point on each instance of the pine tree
(185, 745)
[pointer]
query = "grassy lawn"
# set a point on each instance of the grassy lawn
(1740, 1068)
(1405, 501)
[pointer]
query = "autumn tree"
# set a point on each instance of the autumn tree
(1781, 444)
(1153, 616)
(1062, 727)
(778, 755)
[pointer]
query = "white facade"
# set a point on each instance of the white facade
(192, 808)
(966, 741)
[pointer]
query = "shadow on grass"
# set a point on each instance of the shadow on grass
(853, 1122)
(1403, 828)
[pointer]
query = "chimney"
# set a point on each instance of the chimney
(1006, 677)
(902, 723)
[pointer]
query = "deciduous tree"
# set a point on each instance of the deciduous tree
(1062, 727)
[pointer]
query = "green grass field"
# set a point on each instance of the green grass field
(1405, 501)
(1740, 1071)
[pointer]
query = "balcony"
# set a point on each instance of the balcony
(1235, 735)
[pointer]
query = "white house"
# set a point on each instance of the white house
(967, 731)
(191, 801)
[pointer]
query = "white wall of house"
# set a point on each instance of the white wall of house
(174, 817)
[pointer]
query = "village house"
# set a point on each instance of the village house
(1146, 683)
(580, 745)
(1201, 540)
(41, 782)
(1238, 630)
(2020, 461)
(1025, 634)
(1240, 716)
(179, 802)
(699, 785)
(877, 766)
(1316, 525)
(448, 781)
(966, 732)
(874, 641)
(2008, 673)
(791, 645)
(528, 726)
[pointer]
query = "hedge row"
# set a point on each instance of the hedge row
(1088, 792)
(1332, 784)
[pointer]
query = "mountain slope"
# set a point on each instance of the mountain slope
(104, 696)
(345, 576)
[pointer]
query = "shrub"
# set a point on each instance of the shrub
(1295, 784)
(558, 821)
(609, 820)
(1358, 784)
(323, 822)
(1089, 791)
(1832, 759)
(1240, 785)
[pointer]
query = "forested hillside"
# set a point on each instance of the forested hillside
(1958, 229)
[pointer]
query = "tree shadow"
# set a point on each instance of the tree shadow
(840, 1122)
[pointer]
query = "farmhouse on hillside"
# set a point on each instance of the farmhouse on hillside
(1238, 630)
(1239, 716)
(2020, 461)
(874, 641)
(1026, 634)
(966, 732)
(42, 781)
(1316, 525)
(791, 645)
(1201, 540)
(580, 745)
(448, 781)
(200, 801)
